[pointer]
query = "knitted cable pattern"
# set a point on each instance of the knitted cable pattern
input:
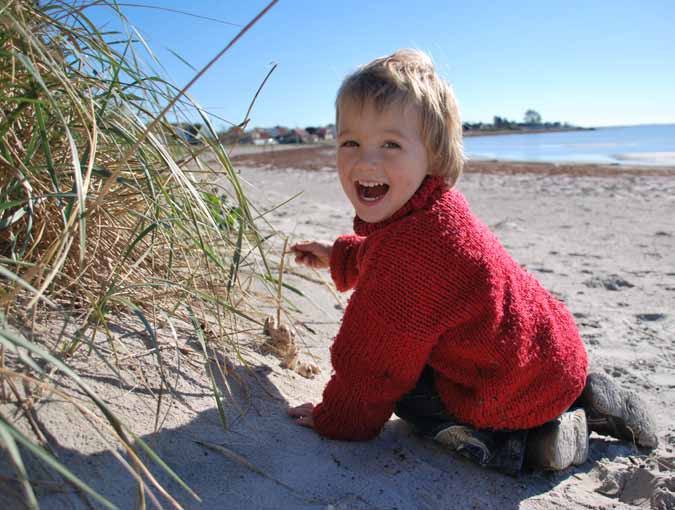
(432, 285)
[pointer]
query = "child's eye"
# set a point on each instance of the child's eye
(349, 143)
(391, 145)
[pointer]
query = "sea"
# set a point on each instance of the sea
(650, 145)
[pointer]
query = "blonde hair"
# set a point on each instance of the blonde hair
(409, 77)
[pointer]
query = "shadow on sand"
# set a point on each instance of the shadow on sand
(263, 460)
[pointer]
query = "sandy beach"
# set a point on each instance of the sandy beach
(600, 238)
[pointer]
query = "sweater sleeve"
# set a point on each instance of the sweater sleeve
(343, 266)
(391, 324)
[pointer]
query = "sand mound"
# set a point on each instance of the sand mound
(281, 342)
(649, 484)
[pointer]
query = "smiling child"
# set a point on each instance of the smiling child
(444, 328)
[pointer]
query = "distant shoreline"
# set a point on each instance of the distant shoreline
(322, 158)
(499, 132)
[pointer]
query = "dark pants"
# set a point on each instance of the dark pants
(423, 408)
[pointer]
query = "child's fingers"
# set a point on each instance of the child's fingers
(309, 247)
(304, 259)
(301, 411)
(308, 259)
(306, 421)
(303, 246)
(311, 253)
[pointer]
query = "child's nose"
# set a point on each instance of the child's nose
(368, 160)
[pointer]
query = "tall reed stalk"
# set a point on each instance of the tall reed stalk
(100, 212)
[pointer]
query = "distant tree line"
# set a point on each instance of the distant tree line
(531, 120)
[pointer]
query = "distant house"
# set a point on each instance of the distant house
(281, 134)
(294, 136)
(277, 131)
(261, 136)
(246, 138)
(326, 133)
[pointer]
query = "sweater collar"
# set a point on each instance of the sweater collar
(430, 190)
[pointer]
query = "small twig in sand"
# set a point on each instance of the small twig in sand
(281, 279)
(233, 456)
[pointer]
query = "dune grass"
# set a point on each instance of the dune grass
(101, 214)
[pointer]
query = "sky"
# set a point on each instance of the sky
(589, 63)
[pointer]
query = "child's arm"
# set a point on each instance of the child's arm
(404, 300)
(340, 256)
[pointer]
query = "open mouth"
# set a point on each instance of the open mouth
(371, 191)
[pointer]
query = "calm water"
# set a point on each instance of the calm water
(643, 145)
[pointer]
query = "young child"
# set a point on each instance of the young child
(444, 328)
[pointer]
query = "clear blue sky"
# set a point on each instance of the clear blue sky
(591, 63)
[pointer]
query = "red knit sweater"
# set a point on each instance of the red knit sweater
(434, 286)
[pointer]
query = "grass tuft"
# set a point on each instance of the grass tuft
(103, 212)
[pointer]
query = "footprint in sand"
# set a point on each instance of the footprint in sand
(543, 270)
(591, 339)
(590, 323)
(616, 372)
(650, 317)
(507, 224)
(640, 274)
(584, 255)
(560, 296)
(611, 282)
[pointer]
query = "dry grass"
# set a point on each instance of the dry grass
(100, 212)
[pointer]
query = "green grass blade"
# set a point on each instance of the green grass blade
(77, 170)
(217, 395)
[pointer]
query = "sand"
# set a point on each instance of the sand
(601, 238)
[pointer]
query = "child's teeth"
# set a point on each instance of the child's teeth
(372, 191)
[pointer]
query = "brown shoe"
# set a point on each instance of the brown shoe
(616, 412)
(558, 444)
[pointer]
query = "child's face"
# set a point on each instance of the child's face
(381, 157)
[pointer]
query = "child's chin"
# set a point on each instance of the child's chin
(371, 212)
(373, 216)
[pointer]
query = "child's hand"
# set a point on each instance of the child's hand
(315, 254)
(303, 414)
